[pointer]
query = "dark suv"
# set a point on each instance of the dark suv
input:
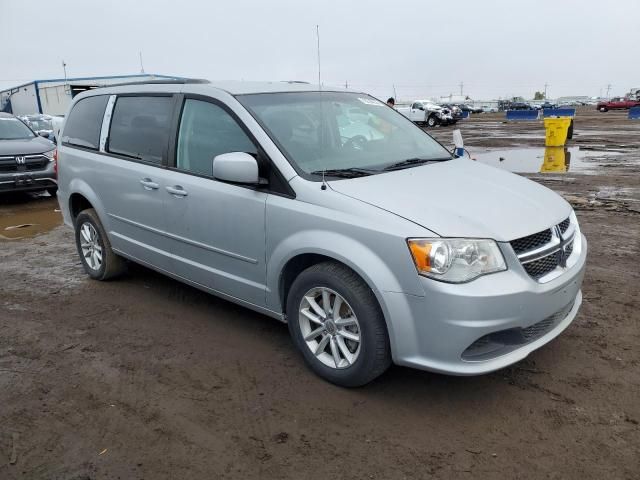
(26, 159)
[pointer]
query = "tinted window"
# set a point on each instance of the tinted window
(140, 127)
(83, 126)
(207, 130)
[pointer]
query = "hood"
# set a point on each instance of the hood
(27, 146)
(461, 198)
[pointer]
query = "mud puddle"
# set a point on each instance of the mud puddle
(29, 218)
(549, 159)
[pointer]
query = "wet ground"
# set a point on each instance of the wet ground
(26, 215)
(144, 377)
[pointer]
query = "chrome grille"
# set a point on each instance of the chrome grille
(543, 252)
(31, 163)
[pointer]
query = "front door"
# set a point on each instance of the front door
(216, 229)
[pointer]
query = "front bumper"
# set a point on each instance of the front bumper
(435, 332)
(28, 180)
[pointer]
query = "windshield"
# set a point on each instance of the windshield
(14, 129)
(335, 131)
(40, 124)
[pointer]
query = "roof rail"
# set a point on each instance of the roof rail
(178, 81)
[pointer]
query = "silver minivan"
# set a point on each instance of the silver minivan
(327, 210)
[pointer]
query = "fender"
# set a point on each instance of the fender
(78, 185)
(353, 253)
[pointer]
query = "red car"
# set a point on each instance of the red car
(618, 103)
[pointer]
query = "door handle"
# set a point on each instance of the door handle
(177, 191)
(149, 184)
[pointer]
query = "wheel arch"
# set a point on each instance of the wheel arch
(78, 203)
(284, 268)
(82, 197)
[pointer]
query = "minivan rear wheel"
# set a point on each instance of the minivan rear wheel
(94, 248)
(337, 325)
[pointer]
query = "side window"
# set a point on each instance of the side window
(207, 130)
(140, 127)
(83, 126)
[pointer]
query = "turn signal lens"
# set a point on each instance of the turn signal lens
(421, 255)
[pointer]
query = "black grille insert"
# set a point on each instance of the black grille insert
(531, 242)
(8, 165)
(564, 225)
(539, 268)
(504, 341)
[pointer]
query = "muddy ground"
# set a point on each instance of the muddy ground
(144, 377)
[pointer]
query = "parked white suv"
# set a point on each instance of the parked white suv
(327, 210)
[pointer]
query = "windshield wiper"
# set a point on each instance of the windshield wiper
(345, 172)
(413, 161)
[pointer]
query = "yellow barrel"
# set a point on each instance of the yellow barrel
(555, 160)
(556, 131)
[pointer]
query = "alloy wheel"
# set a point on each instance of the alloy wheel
(90, 246)
(329, 327)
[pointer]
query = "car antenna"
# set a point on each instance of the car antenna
(324, 183)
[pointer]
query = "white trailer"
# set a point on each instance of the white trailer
(53, 96)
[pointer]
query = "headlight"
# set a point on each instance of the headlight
(49, 154)
(456, 260)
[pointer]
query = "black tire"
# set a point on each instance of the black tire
(375, 353)
(432, 121)
(112, 265)
(52, 191)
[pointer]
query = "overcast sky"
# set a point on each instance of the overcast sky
(497, 48)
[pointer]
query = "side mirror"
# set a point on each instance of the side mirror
(43, 133)
(236, 167)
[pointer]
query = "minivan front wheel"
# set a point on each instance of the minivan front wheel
(336, 323)
(94, 248)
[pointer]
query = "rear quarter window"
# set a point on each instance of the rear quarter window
(140, 127)
(83, 126)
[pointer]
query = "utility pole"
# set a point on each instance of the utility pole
(346, 84)
(545, 90)
(318, 38)
(608, 89)
(141, 65)
(461, 87)
(395, 96)
(64, 67)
